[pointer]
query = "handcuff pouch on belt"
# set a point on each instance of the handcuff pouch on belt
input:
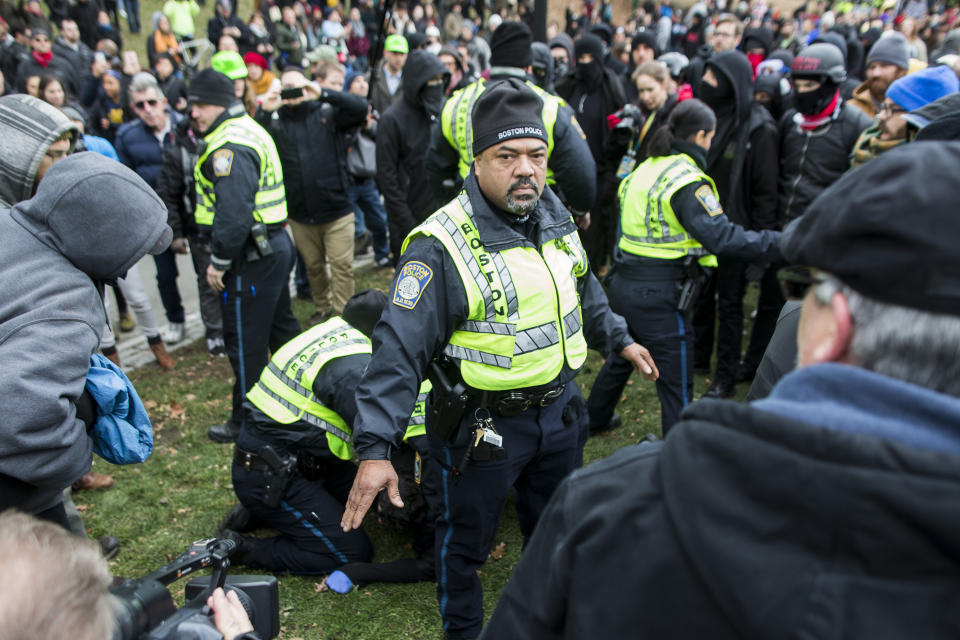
(277, 476)
(693, 282)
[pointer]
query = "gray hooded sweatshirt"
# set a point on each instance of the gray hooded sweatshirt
(91, 220)
(28, 127)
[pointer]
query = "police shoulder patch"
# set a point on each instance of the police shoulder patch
(708, 199)
(411, 281)
(222, 162)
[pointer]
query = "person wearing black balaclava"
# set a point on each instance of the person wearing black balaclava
(595, 92)
(403, 136)
(742, 160)
(541, 69)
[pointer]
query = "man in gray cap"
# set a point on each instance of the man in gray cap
(469, 308)
(241, 209)
(886, 62)
(834, 502)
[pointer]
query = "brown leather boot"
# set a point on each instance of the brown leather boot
(113, 357)
(91, 480)
(163, 358)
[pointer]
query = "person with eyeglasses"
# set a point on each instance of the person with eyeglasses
(830, 506)
(906, 94)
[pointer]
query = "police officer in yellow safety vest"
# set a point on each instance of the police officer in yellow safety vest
(671, 227)
(494, 291)
(241, 207)
(570, 164)
(292, 468)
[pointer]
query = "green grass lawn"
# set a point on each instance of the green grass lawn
(183, 490)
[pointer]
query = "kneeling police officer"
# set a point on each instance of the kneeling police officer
(292, 468)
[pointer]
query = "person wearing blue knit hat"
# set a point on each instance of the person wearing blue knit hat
(908, 93)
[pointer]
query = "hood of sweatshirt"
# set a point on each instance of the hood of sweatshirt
(419, 68)
(28, 127)
(96, 212)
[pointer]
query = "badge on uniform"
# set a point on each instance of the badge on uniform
(222, 162)
(708, 199)
(412, 280)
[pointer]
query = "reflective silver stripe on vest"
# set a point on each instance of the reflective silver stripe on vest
(290, 382)
(663, 220)
(539, 337)
(658, 190)
(496, 328)
(267, 205)
(509, 291)
(295, 356)
(480, 357)
(571, 323)
(415, 420)
(332, 347)
(309, 418)
(451, 227)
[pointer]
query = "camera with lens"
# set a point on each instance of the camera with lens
(628, 118)
(145, 610)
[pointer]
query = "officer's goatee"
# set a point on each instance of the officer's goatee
(526, 203)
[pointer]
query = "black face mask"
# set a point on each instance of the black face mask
(810, 103)
(588, 73)
(560, 69)
(431, 96)
(721, 98)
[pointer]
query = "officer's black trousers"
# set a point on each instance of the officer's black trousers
(308, 519)
(650, 309)
(541, 450)
(256, 315)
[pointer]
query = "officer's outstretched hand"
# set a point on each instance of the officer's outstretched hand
(372, 477)
(641, 360)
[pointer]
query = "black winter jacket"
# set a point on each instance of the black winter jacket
(744, 524)
(310, 142)
(403, 137)
(810, 161)
(176, 185)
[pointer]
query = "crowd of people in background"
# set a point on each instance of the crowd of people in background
(361, 104)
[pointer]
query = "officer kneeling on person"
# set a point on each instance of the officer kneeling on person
(495, 299)
(292, 468)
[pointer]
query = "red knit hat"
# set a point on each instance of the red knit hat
(253, 57)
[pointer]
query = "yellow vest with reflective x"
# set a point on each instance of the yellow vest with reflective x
(284, 392)
(524, 319)
(270, 203)
(648, 224)
(456, 122)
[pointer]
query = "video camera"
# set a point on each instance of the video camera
(145, 610)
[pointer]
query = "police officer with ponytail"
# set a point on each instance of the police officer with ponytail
(671, 228)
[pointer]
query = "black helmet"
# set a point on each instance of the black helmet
(822, 60)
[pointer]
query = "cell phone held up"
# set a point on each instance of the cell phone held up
(291, 94)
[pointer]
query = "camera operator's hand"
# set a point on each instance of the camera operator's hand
(228, 614)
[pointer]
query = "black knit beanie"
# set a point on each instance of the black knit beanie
(363, 310)
(508, 109)
(211, 87)
(588, 44)
(510, 45)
